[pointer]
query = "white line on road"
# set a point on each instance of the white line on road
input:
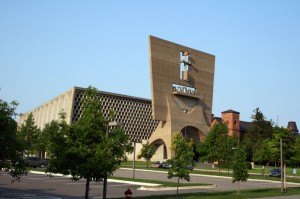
(37, 178)
(120, 185)
(54, 180)
(72, 183)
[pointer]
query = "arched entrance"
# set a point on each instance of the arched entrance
(192, 133)
(161, 150)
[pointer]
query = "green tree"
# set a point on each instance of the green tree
(83, 150)
(183, 156)
(267, 151)
(202, 150)
(288, 143)
(57, 134)
(29, 133)
(10, 146)
(259, 130)
(218, 145)
(240, 171)
(232, 143)
(295, 160)
(147, 152)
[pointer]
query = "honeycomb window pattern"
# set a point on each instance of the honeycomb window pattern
(134, 113)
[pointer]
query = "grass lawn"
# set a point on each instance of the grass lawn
(163, 183)
(254, 193)
(289, 171)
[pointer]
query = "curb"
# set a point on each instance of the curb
(109, 180)
(215, 176)
(145, 188)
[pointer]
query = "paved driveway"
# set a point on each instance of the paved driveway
(35, 186)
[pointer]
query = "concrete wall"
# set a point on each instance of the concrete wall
(50, 110)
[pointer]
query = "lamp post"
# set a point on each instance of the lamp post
(283, 167)
(281, 164)
(110, 124)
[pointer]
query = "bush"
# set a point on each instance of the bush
(249, 166)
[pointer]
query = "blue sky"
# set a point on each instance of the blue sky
(47, 47)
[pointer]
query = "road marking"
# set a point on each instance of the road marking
(174, 188)
(37, 178)
(133, 182)
(82, 183)
(54, 180)
(115, 185)
(71, 183)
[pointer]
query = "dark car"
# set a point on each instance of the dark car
(190, 167)
(156, 164)
(275, 173)
(36, 162)
(166, 165)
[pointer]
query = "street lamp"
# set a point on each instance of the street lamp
(282, 163)
(110, 124)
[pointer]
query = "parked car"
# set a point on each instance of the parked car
(166, 165)
(190, 167)
(36, 162)
(275, 173)
(156, 164)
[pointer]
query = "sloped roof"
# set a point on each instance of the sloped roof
(219, 120)
(231, 111)
(244, 126)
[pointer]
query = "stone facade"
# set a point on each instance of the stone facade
(49, 111)
(181, 93)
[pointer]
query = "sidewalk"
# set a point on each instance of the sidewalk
(109, 180)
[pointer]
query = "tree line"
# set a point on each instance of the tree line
(262, 142)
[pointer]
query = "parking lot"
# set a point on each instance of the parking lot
(43, 186)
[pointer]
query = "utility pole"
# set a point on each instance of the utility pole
(284, 179)
(105, 177)
(281, 164)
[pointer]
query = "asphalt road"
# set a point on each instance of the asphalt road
(35, 186)
(42, 186)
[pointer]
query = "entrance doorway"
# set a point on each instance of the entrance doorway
(191, 132)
